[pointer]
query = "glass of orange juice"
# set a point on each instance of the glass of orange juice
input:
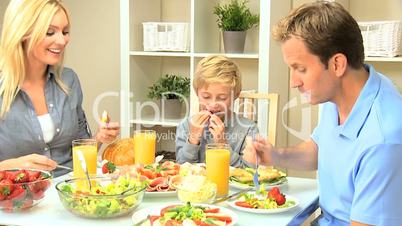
(89, 149)
(217, 159)
(144, 146)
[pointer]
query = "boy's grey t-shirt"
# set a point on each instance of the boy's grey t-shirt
(236, 131)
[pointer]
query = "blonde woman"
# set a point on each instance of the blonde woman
(217, 83)
(40, 100)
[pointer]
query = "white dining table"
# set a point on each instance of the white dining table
(50, 211)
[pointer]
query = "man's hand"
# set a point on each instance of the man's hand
(32, 161)
(259, 146)
(197, 123)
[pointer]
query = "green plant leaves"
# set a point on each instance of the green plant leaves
(170, 87)
(235, 16)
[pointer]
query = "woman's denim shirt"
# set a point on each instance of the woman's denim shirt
(21, 133)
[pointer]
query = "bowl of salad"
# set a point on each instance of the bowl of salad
(22, 189)
(107, 197)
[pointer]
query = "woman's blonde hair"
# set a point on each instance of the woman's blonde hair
(24, 20)
(217, 69)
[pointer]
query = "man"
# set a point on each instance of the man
(357, 145)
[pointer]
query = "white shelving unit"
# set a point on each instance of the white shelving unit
(140, 69)
(383, 59)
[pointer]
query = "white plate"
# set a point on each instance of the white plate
(265, 211)
(160, 194)
(143, 213)
(237, 185)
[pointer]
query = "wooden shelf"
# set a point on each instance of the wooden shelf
(383, 59)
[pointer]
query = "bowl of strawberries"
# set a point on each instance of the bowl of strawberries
(22, 189)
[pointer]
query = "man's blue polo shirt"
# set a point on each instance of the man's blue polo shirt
(359, 162)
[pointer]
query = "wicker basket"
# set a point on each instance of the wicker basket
(382, 38)
(161, 36)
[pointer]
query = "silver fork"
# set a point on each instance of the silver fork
(255, 176)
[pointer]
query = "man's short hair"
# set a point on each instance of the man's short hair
(326, 29)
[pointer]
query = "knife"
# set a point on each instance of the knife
(232, 195)
(139, 223)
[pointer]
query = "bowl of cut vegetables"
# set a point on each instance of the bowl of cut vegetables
(106, 197)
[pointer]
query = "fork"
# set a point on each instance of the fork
(255, 176)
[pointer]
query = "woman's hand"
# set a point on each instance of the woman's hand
(196, 127)
(217, 129)
(32, 161)
(107, 132)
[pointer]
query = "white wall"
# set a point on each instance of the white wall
(94, 53)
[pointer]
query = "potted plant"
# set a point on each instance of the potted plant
(171, 90)
(234, 19)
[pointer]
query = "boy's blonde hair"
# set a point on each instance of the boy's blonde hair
(217, 69)
(24, 20)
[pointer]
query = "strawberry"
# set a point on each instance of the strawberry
(7, 205)
(2, 175)
(38, 195)
(17, 194)
(27, 203)
(33, 175)
(273, 192)
(108, 167)
(280, 199)
(20, 176)
(6, 187)
(41, 185)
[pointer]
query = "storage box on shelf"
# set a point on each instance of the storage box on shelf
(382, 38)
(162, 36)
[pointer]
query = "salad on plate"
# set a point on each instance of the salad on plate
(261, 201)
(185, 214)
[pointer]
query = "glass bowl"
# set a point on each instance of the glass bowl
(22, 189)
(196, 189)
(109, 197)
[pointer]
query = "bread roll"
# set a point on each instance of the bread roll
(120, 152)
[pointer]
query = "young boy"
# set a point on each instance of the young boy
(217, 83)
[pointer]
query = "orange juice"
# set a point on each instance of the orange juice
(89, 149)
(144, 146)
(217, 159)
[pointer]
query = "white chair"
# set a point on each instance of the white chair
(248, 108)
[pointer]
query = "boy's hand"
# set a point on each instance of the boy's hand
(217, 129)
(196, 126)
